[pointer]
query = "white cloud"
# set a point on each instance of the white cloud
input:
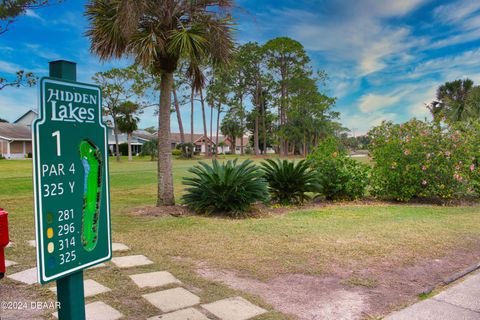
(41, 52)
(418, 99)
(362, 123)
(357, 32)
(468, 61)
(32, 14)
(8, 67)
(456, 11)
(389, 8)
(463, 18)
(409, 101)
(463, 37)
(373, 102)
(15, 101)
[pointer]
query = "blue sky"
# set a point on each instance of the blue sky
(384, 59)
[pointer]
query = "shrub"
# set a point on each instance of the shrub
(340, 177)
(176, 152)
(420, 159)
(150, 148)
(471, 134)
(289, 182)
(226, 188)
(187, 150)
(123, 148)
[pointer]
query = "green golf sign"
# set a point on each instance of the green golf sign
(71, 186)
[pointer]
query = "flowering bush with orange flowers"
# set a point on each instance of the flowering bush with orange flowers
(421, 159)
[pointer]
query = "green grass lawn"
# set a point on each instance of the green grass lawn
(312, 241)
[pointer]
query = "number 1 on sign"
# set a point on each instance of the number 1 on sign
(57, 135)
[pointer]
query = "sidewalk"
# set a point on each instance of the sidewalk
(461, 301)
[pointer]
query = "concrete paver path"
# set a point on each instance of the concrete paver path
(172, 299)
(131, 261)
(460, 301)
(99, 311)
(91, 288)
(117, 246)
(235, 308)
(28, 276)
(154, 279)
(175, 304)
(185, 314)
(9, 263)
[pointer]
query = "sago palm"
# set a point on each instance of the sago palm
(290, 181)
(157, 34)
(224, 188)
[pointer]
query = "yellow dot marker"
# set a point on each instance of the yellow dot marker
(50, 233)
(51, 247)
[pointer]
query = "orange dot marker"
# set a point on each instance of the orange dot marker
(50, 233)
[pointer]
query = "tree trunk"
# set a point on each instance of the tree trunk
(179, 116)
(218, 125)
(211, 122)
(241, 124)
(264, 128)
(305, 144)
(129, 140)
(115, 132)
(255, 137)
(192, 116)
(205, 136)
(165, 195)
(282, 143)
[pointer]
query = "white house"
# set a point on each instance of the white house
(15, 140)
(139, 137)
(27, 118)
(224, 143)
(17, 137)
(19, 133)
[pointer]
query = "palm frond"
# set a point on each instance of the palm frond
(147, 44)
(290, 182)
(160, 33)
(107, 37)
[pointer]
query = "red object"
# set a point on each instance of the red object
(3, 239)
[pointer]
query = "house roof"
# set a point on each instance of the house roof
(15, 132)
(175, 137)
(246, 141)
(197, 139)
(25, 114)
(143, 135)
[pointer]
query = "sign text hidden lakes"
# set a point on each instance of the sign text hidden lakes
(65, 106)
(71, 179)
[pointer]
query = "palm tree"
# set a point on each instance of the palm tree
(452, 97)
(127, 121)
(157, 34)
